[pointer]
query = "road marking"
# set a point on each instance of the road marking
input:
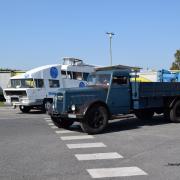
(51, 124)
(64, 132)
(64, 138)
(17, 117)
(48, 120)
(86, 145)
(54, 127)
(116, 172)
(97, 156)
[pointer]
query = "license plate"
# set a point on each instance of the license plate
(71, 115)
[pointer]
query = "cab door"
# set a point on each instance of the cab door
(118, 98)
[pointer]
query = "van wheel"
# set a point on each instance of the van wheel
(175, 112)
(144, 114)
(24, 109)
(95, 120)
(62, 122)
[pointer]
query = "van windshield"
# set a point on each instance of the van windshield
(21, 83)
(99, 79)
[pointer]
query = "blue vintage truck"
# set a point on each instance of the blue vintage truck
(110, 93)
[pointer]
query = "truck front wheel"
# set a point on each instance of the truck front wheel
(144, 114)
(62, 122)
(175, 112)
(24, 109)
(46, 105)
(96, 120)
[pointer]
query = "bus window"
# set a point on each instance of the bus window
(77, 75)
(39, 83)
(63, 73)
(53, 83)
(85, 76)
(69, 75)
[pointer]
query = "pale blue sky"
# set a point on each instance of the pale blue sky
(39, 32)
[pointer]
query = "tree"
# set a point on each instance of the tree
(176, 63)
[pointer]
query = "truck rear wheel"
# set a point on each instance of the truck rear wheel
(62, 122)
(144, 114)
(95, 120)
(24, 109)
(175, 112)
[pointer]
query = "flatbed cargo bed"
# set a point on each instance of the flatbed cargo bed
(151, 94)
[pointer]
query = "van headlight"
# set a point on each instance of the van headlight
(73, 107)
(25, 100)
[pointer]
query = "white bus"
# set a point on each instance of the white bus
(36, 88)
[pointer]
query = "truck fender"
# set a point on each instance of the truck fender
(88, 105)
(173, 102)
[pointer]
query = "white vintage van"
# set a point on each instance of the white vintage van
(36, 88)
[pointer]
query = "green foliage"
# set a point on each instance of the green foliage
(8, 69)
(1, 103)
(176, 63)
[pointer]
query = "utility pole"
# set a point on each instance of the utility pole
(110, 46)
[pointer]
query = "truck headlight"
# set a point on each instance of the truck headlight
(60, 98)
(73, 107)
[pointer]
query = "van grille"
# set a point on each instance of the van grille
(14, 99)
(16, 93)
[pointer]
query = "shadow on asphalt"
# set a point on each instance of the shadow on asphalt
(126, 124)
(122, 124)
(32, 112)
(134, 123)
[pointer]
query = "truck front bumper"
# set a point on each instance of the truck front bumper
(53, 113)
(67, 115)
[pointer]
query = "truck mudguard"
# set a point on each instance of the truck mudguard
(84, 108)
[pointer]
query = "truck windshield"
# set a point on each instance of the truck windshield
(99, 79)
(21, 83)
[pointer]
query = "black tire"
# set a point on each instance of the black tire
(175, 112)
(46, 105)
(96, 120)
(167, 114)
(144, 114)
(24, 109)
(62, 122)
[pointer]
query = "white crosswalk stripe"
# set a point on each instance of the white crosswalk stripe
(48, 120)
(98, 156)
(64, 138)
(116, 172)
(99, 172)
(86, 145)
(54, 127)
(64, 132)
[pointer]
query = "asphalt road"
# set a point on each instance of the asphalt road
(32, 148)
